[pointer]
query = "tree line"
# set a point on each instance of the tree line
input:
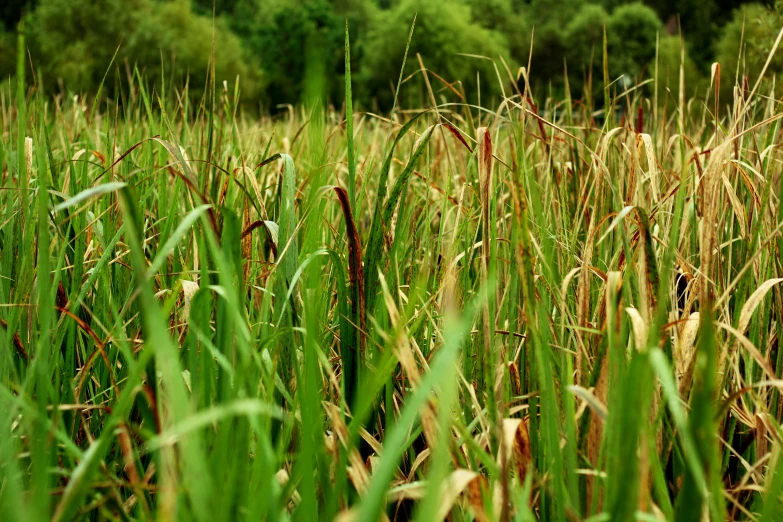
(289, 51)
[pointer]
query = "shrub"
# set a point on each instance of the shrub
(746, 57)
(632, 30)
(669, 59)
(504, 17)
(278, 37)
(585, 32)
(583, 38)
(73, 41)
(7, 54)
(700, 22)
(548, 19)
(443, 30)
(183, 41)
(11, 11)
(491, 14)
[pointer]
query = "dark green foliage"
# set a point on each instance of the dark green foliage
(280, 38)
(219, 7)
(508, 18)
(7, 53)
(572, 31)
(584, 42)
(288, 51)
(744, 55)
(73, 42)
(631, 33)
(492, 14)
(669, 58)
(701, 21)
(549, 20)
(700, 28)
(183, 41)
(11, 11)
(443, 31)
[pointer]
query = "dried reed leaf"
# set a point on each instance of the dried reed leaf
(639, 328)
(189, 289)
(516, 447)
(753, 301)
(684, 353)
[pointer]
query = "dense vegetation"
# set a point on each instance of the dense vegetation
(290, 51)
(537, 308)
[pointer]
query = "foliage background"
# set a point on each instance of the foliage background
(269, 43)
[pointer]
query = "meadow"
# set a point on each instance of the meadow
(524, 310)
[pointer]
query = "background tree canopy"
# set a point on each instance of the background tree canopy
(287, 51)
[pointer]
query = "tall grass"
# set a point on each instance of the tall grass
(499, 313)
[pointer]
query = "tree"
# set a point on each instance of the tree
(185, 42)
(549, 19)
(508, 19)
(491, 14)
(73, 41)
(444, 30)
(740, 57)
(278, 38)
(669, 60)
(699, 21)
(584, 36)
(632, 31)
(7, 54)
(219, 7)
(12, 11)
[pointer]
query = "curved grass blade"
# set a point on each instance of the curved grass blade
(90, 193)
(176, 237)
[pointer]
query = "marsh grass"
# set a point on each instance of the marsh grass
(499, 313)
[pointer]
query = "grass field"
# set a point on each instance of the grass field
(501, 313)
